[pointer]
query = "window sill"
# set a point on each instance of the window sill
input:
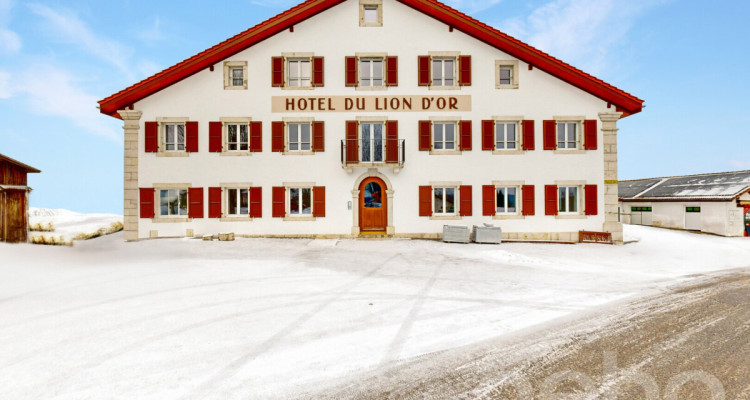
(506, 86)
(157, 220)
(297, 87)
(445, 152)
(370, 88)
(298, 153)
(235, 153)
(455, 87)
(508, 216)
(570, 216)
(571, 151)
(508, 152)
(300, 218)
(237, 218)
(445, 217)
(371, 164)
(244, 87)
(172, 154)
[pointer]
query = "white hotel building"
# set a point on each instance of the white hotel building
(342, 118)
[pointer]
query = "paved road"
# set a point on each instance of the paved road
(690, 342)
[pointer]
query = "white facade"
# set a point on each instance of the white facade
(335, 34)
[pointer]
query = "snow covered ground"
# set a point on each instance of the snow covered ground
(69, 225)
(260, 318)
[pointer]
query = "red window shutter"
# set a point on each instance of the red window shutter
(464, 128)
(352, 145)
(319, 201)
(152, 137)
(423, 63)
(319, 136)
(195, 202)
(256, 202)
(464, 192)
(550, 199)
(425, 135)
(317, 71)
(550, 142)
(391, 71)
(591, 199)
(589, 134)
(488, 200)
(147, 202)
(464, 73)
(214, 136)
(277, 71)
(527, 199)
(350, 65)
(214, 202)
(256, 136)
(488, 135)
(278, 194)
(425, 201)
(528, 134)
(391, 141)
(191, 136)
(277, 136)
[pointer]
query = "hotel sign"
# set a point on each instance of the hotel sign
(307, 104)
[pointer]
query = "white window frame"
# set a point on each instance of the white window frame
(440, 83)
(300, 212)
(178, 193)
(517, 190)
(565, 210)
(164, 128)
(512, 65)
(443, 124)
(371, 61)
(229, 68)
(300, 79)
(237, 201)
(370, 4)
(456, 200)
(516, 142)
(360, 136)
(239, 142)
(299, 142)
(574, 144)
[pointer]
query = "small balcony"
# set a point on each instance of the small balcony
(372, 153)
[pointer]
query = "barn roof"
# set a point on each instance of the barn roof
(28, 168)
(622, 100)
(714, 186)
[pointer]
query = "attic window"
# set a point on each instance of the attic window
(370, 13)
(235, 75)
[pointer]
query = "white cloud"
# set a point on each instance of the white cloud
(51, 91)
(68, 28)
(5, 92)
(740, 164)
(10, 42)
(581, 32)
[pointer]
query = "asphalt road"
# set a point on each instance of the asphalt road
(688, 342)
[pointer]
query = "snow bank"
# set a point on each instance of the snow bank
(67, 226)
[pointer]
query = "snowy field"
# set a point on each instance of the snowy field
(69, 226)
(271, 318)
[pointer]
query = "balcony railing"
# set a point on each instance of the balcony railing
(386, 152)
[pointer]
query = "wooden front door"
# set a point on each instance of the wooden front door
(373, 206)
(14, 216)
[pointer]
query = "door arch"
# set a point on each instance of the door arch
(373, 206)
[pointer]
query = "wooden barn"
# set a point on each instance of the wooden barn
(14, 199)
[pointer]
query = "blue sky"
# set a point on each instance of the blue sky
(689, 61)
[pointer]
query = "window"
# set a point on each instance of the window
(443, 71)
(300, 72)
(371, 138)
(505, 199)
(238, 202)
(371, 72)
(567, 199)
(238, 137)
(444, 135)
(235, 74)
(370, 13)
(238, 77)
(506, 74)
(567, 135)
(173, 202)
(300, 201)
(692, 209)
(641, 209)
(174, 137)
(505, 135)
(444, 200)
(299, 136)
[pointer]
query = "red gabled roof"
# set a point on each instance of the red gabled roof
(622, 100)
